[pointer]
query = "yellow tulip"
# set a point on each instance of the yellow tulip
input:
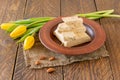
(5, 26)
(29, 42)
(20, 30)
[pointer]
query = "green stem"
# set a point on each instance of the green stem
(39, 21)
(98, 17)
(104, 11)
(28, 21)
(118, 16)
(29, 32)
(94, 18)
(37, 24)
(40, 18)
(96, 13)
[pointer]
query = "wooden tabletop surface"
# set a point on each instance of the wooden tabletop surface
(12, 65)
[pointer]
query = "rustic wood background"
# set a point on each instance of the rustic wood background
(12, 65)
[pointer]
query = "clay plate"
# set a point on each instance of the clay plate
(94, 30)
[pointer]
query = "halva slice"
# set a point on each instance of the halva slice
(72, 32)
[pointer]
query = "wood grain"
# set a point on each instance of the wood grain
(33, 9)
(22, 72)
(71, 7)
(12, 64)
(44, 8)
(101, 69)
(2, 9)
(87, 70)
(112, 28)
(9, 10)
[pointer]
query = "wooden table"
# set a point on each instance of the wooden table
(12, 65)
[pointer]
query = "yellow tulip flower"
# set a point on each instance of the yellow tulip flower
(29, 42)
(5, 26)
(20, 30)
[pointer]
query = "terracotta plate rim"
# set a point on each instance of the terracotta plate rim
(96, 43)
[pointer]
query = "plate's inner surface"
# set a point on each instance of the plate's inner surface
(89, 31)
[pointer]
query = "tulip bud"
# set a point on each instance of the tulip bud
(29, 42)
(20, 30)
(5, 26)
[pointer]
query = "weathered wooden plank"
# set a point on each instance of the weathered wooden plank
(71, 7)
(87, 70)
(2, 8)
(100, 69)
(112, 28)
(9, 10)
(37, 8)
(21, 71)
(41, 8)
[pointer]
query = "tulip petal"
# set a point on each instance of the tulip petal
(29, 42)
(20, 30)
